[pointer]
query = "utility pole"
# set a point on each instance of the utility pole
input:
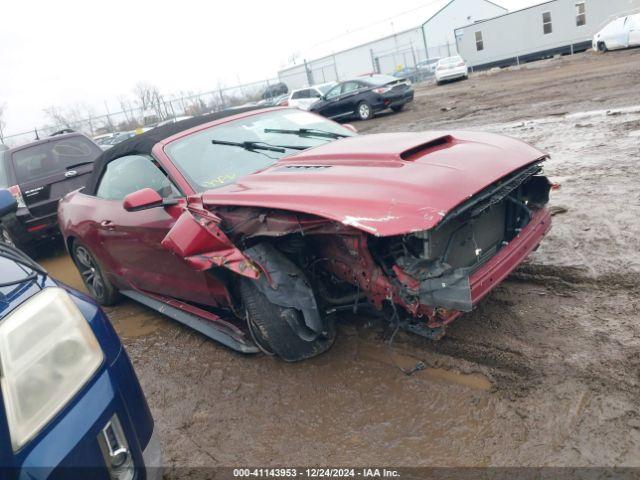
(106, 107)
(424, 39)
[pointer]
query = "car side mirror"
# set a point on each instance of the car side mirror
(8, 203)
(348, 126)
(142, 200)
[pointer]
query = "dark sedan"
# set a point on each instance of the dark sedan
(363, 97)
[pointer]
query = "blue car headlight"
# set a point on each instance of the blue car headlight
(48, 352)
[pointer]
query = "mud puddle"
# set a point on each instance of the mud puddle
(61, 267)
(129, 319)
(412, 364)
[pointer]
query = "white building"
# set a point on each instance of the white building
(431, 39)
(540, 31)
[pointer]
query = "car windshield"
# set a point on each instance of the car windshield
(44, 159)
(450, 61)
(325, 88)
(206, 165)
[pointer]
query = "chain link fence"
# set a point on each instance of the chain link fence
(132, 117)
(339, 67)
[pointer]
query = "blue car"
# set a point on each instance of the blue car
(70, 403)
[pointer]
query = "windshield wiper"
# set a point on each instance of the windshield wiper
(307, 132)
(248, 145)
(12, 253)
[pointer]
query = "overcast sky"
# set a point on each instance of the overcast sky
(58, 53)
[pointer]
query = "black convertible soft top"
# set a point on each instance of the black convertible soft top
(143, 144)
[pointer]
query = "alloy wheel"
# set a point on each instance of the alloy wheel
(364, 110)
(90, 272)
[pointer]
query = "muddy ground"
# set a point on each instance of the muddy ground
(544, 372)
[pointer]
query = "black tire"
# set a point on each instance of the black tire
(398, 108)
(270, 328)
(93, 276)
(364, 111)
(602, 47)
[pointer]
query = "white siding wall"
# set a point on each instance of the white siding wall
(521, 33)
(440, 30)
(396, 51)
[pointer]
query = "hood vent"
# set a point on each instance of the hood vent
(415, 152)
(302, 167)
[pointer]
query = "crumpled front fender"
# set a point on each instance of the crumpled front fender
(197, 238)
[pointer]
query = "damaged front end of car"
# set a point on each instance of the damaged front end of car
(314, 266)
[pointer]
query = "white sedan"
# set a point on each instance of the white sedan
(303, 98)
(451, 68)
(623, 32)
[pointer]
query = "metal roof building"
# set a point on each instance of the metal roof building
(431, 39)
(540, 31)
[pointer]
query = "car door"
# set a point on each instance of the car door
(350, 96)
(617, 34)
(130, 241)
(634, 30)
(330, 106)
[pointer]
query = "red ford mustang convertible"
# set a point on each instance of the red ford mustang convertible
(255, 226)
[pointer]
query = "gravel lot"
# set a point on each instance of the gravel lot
(544, 372)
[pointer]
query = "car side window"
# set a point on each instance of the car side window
(131, 173)
(313, 93)
(298, 94)
(334, 92)
(350, 87)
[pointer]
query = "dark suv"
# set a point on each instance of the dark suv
(38, 174)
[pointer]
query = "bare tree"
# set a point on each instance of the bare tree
(149, 99)
(294, 57)
(58, 116)
(79, 116)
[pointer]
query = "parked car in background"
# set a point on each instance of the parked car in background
(279, 101)
(623, 32)
(99, 139)
(275, 90)
(38, 175)
(451, 68)
(263, 223)
(409, 73)
(174, 120)
(303, 98)
(363, 97)
(114, 139)
(428, 67)
(71, 406)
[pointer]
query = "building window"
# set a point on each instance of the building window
(581, 14)
(546, 23)
(479, 42)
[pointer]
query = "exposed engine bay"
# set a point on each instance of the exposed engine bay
(427, 273)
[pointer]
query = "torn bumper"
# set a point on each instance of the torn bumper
(462, 289)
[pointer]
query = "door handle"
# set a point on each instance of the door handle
(108, 224)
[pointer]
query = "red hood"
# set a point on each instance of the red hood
(384, 184)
